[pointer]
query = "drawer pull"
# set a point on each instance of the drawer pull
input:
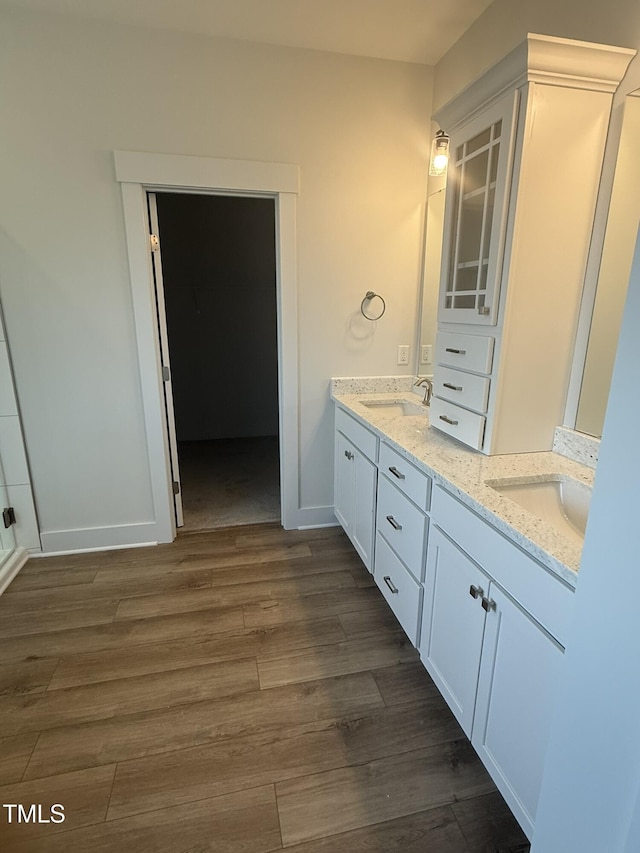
(455, 351)
(453, 387)
(394, 523)
(348, 454)
(488, 604)
(475, 591)
(448, 420)
(396, 473)
(390, 584)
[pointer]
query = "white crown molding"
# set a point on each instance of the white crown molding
(540, 59)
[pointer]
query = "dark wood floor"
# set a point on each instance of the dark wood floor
(238, 691)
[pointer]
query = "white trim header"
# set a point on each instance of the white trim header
(139, 167)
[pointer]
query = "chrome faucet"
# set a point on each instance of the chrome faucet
(428, 389)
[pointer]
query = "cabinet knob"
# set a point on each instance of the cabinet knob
(488, 604)
(396, 473)
(390, 584)
(448, 420)
(452, 387)
(394, 523)
(348, 454)
(455, 351)
(475, 591)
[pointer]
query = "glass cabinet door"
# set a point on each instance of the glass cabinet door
(475, 216)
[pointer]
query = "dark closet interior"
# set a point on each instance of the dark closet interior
(219, 271)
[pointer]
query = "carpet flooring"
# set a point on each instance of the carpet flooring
(229, 482)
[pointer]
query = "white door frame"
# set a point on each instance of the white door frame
(138, 173)
(163, 342)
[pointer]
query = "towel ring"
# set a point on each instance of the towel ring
(369, 295)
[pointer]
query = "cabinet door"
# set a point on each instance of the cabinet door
(517, 689)
(344, 482)
(475, 215)
(364, 506)
(453, 625)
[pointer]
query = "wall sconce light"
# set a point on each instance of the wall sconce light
(439, 154)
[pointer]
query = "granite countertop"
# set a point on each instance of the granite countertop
(465, 472)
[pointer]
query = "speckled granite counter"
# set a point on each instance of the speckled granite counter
(464, 472)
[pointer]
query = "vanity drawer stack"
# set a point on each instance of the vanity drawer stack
(461, 383)
(404, 496)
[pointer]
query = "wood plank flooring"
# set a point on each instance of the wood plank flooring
(242, 690)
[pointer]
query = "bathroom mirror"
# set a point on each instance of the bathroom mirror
(623, 219)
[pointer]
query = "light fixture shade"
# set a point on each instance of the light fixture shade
(439, 155)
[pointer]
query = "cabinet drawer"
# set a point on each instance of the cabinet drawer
(401, 590)
(360, 436)
(466, 389)
(543, 595)
(409, 479)
(466, 426)
(403, 525)
(470, 352)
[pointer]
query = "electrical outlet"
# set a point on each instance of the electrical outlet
(403, 354)
(425, 354)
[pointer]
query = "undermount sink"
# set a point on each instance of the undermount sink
(557, 499)
(395, 408)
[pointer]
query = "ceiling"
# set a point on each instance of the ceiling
(407, 30)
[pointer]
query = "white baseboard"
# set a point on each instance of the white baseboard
(10, 569)
(98, 538)
(316, 516)
(89, 539)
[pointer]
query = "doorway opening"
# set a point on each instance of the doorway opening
(139, 173)
(215, 280)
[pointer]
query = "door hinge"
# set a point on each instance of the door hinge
(166, 373)
(9, 516)
(155, 243)
(176, 487)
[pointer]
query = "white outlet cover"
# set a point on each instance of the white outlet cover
(403, 354)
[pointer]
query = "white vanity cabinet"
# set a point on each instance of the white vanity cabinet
(355, 479)
(381, 500)
(493, 628)
(526, 151)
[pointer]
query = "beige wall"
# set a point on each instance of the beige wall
(506, 22)
(70, 93)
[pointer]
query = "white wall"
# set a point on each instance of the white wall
(589, 800)
(70, 93)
